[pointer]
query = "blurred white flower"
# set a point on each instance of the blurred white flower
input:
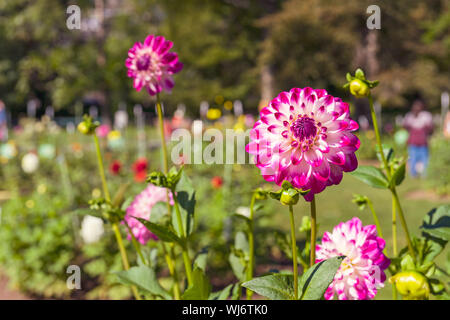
(243, 211)
(91, 229)
(30, 162)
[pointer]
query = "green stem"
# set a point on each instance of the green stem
(161, 132)
(313, 232)
(394, 229)
(172, 269)
(388, 173)
(170, 258)
(377, 136)
(394, 243)
(185, 253)
(101, 169)
(294, 252)
(375, 218)
(403, 222)
(136, 244)
(251, 246)
(115, 226)
(123, 254)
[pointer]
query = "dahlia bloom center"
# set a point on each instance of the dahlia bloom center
(305, 129)
(143, 62)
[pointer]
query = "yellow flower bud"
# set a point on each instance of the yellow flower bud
(359, 89)
(83, 128)
(411, 285)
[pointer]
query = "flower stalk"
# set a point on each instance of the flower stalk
(115, 226)
(169, 255)
(294, 251)
(185, 253)
(313, 232)
(251, 246)
(388, 173)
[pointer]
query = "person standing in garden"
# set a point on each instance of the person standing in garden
(3, 124)
(419, 124)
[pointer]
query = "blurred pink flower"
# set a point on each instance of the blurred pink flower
(141, 207)
(151, 65)
(304, 136)
(103, 130)
(362, 271)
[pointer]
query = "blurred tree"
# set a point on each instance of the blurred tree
(315, 42)
(227, 47)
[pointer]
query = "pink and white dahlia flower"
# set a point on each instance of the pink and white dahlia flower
(141, 207)
(151, 65)
(362, 271)
(304, 136)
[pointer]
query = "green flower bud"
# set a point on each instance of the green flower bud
(289, 197)
(260, 194)
(158, 179)
(87, 126)
(411, 285)
(359, 88)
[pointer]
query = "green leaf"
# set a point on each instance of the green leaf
(360, 74)
(186, 199)
(200, 260)
(371, 176)
(238, 256)
(317, 279)
(222, 294)
(398, 176)
(162, 232)
(407, 263)
(387, 151)
(274, 287)
(349, 77)
(437, 223)
(200, 289)
(145, 279)
(159, 212)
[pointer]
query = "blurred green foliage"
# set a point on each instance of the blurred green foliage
(224, 45)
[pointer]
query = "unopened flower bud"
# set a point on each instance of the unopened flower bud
(289, 197)
(359, 88)
(83, 128)
(411, 285)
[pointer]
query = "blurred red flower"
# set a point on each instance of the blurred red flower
(115, 167)
(216, 182)
(140, 169)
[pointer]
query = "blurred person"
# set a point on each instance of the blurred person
(3, 124)
(447, 125)
(419, 124)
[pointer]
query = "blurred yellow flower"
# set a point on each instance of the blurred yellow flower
(42, 188)
(370, 134)
(228, 105)
(213, 114)
(114, 135)
(29, 204)
(219, 99)
(96, 193)
(239, 127)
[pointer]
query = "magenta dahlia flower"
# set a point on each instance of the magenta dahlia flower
(362, 271)
(304, 136)
(151, 65)
(141, 207)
